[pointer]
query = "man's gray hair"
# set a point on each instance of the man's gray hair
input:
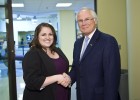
(93, 13)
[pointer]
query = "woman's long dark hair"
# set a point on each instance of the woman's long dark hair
(35, 41)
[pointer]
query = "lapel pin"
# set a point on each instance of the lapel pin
(90, 44)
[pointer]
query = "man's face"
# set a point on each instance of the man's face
(86, 22)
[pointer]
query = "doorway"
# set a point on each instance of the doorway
(8, 89)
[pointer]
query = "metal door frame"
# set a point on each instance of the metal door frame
(11, 50)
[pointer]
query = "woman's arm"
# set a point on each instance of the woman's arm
(52, 79)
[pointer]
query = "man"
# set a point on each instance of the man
(97, 71)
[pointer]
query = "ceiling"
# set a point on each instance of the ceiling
(40, 7)
(46, 7)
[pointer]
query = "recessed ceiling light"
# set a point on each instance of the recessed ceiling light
(63, 4)
(17, 5)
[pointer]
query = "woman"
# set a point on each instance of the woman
(43, 67)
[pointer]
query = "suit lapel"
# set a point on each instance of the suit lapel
(91, 44)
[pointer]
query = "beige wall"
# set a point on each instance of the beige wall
(121, 18)
(112, 20)
(133, 23)
(67, 32)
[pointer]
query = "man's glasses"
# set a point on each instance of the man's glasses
(87, 20)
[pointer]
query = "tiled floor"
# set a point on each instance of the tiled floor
(4, 82)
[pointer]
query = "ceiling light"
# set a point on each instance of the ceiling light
(63, 4)
(17, 5)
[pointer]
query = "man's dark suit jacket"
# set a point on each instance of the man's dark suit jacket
(97, 75)
(36, 67)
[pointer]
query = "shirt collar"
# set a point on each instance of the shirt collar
(90, 35)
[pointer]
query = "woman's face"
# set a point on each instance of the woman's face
(46, 37)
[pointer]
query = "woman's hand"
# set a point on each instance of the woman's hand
(67, 80)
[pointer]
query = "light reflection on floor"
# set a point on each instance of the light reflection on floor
(4, 81)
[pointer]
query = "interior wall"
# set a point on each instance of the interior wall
(112, 20)
(122, 18)
(67, 32)
(133, 30)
